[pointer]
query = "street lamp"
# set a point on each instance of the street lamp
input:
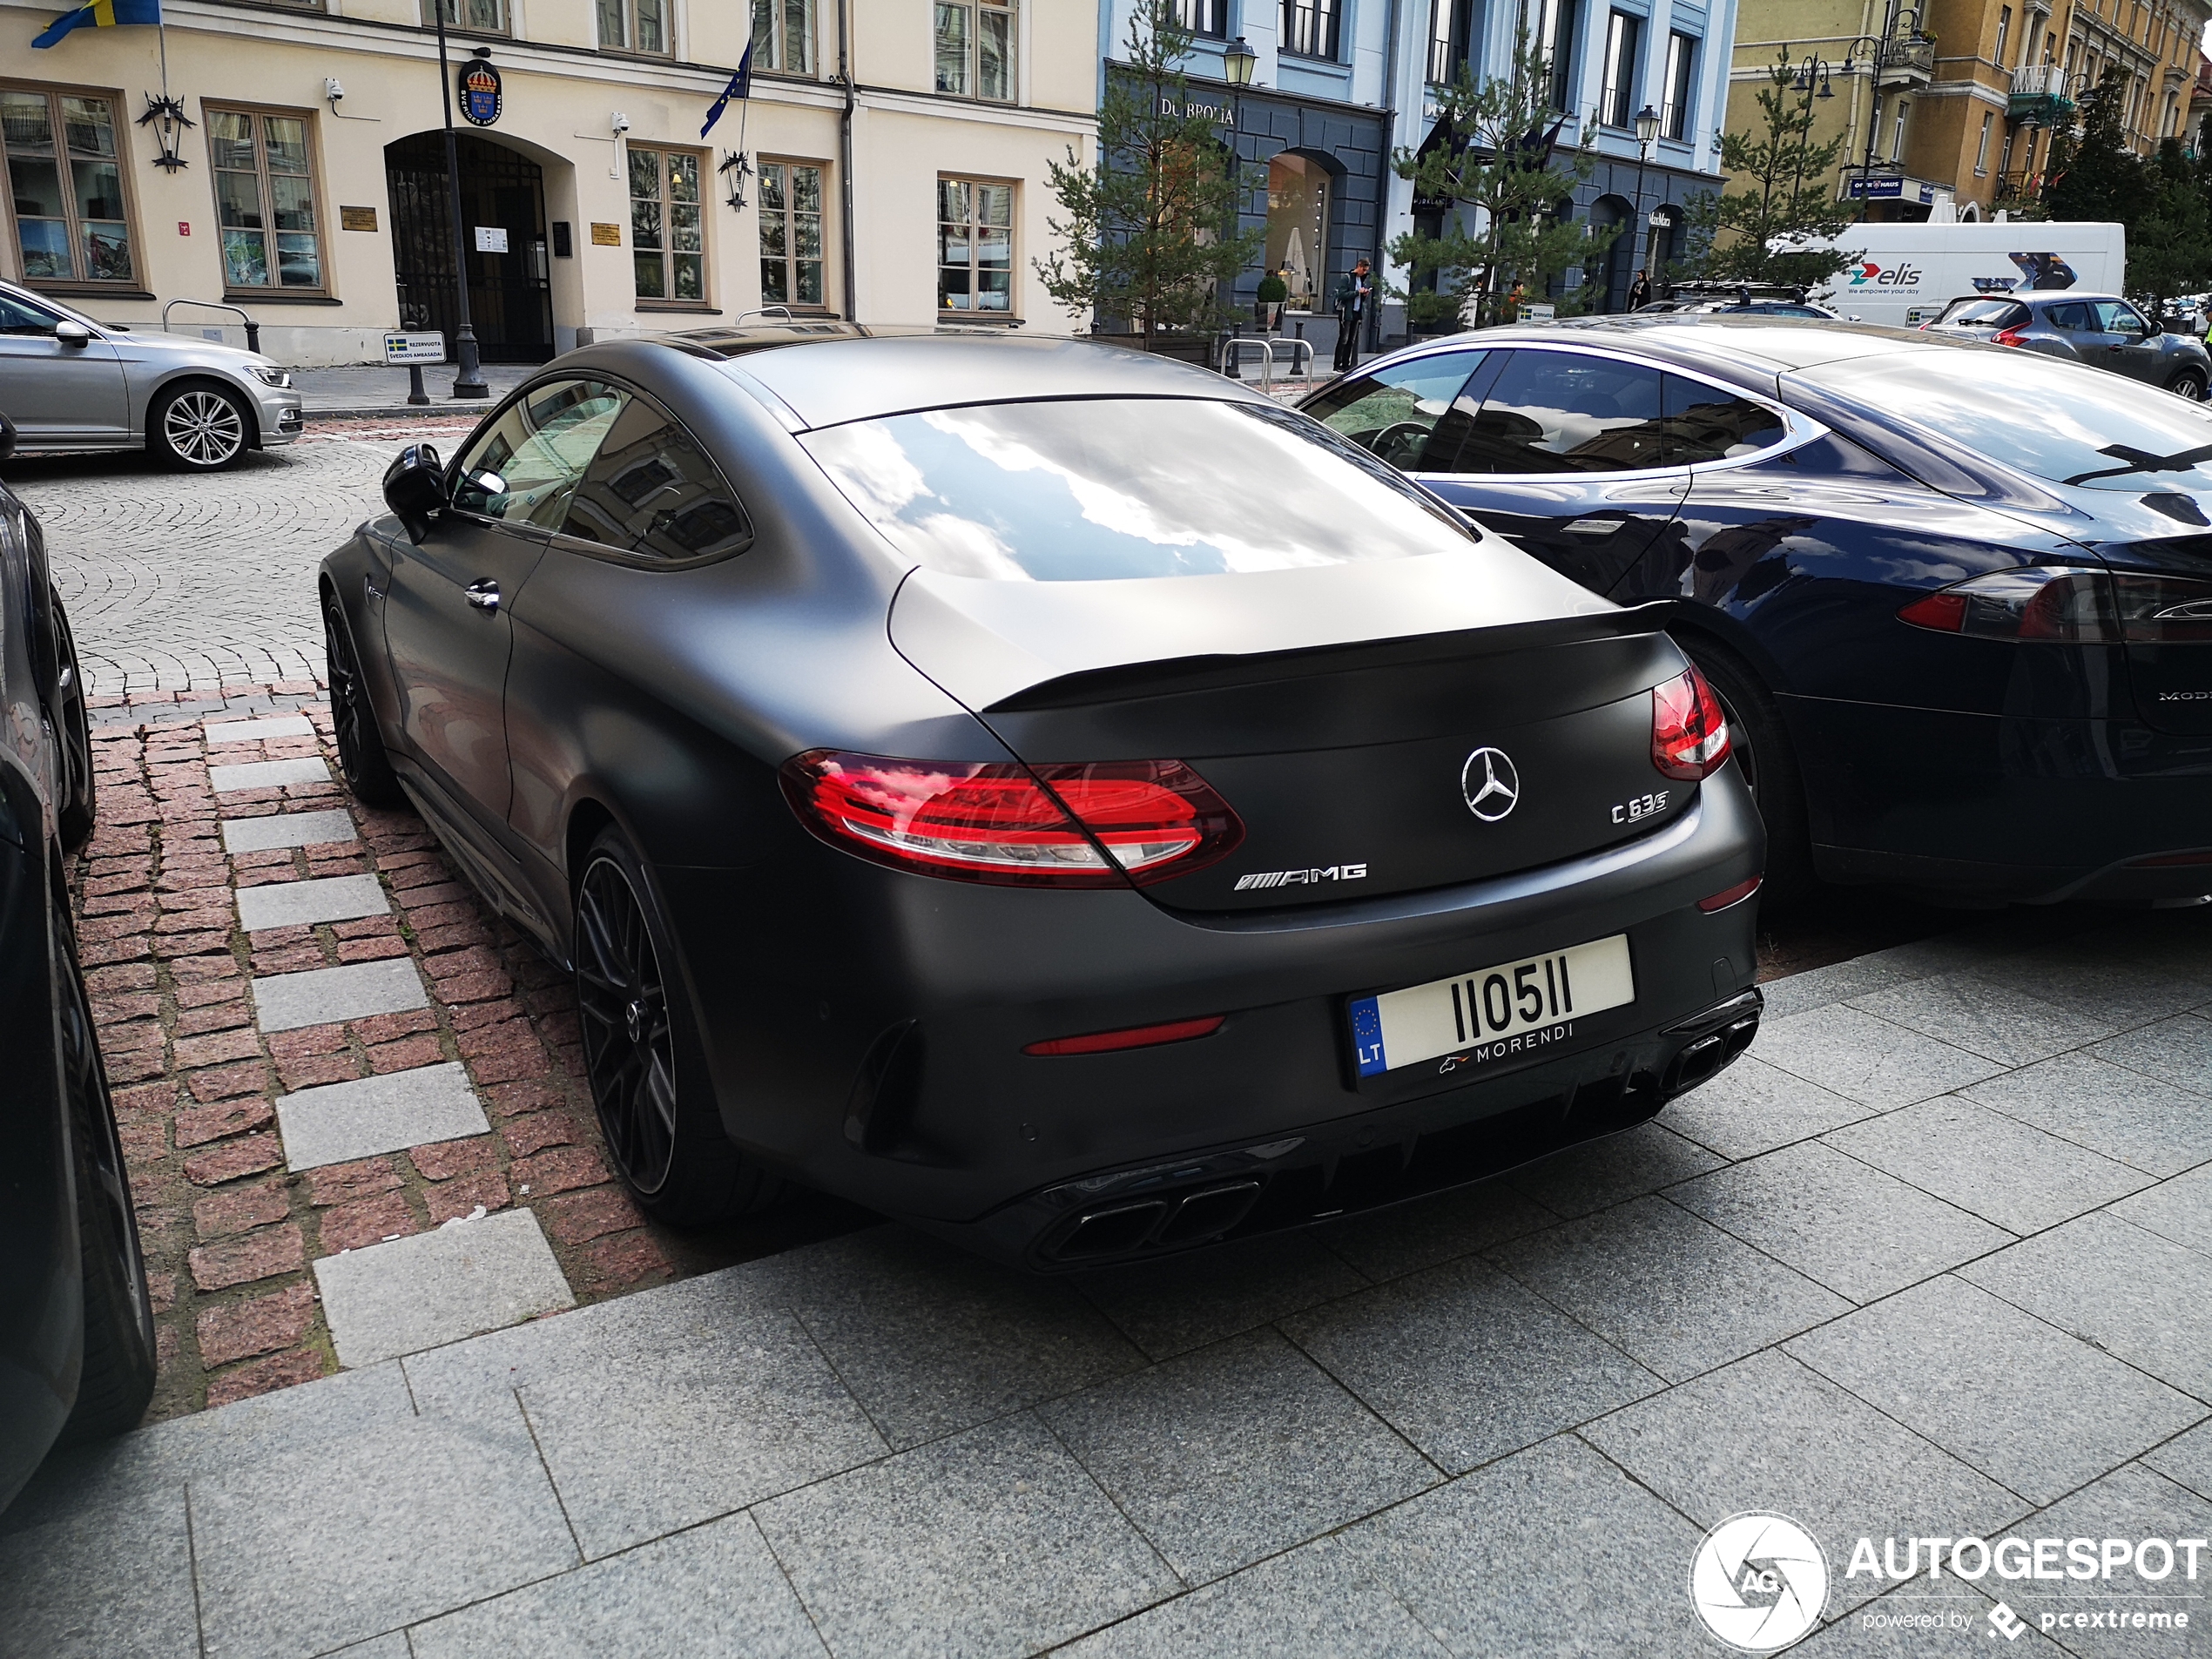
(1880, 50)
(1646, 119)
(468, 375)
(1238, 58)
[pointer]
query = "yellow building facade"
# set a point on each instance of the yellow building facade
(1948, 111)
(890, 166)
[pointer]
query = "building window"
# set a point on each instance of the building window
(634, 26)
(783, 36)
(1623, 34)
(477, 16)
(265, 200)
(974, 246)
(65, 178)
(1450, 26)
(791, 233)
(2004, 32)
(1555, 40)
(2005, 160)
(1207, 17)
(1309, 27)
(1674, 117)
(1981, 150)
(1896, 132)
(667, 245)
(976, 50)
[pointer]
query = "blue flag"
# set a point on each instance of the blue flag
(102, 14)
(740, 87)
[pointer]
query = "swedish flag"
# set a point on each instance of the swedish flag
(103, 14)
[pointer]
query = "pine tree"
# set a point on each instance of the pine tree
(2169, 234)
(2092, 173)
(1767, 226)
(1149, 231)
(1498, 161)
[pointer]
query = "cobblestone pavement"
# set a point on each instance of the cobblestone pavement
(180, 583)
(1933, 1261)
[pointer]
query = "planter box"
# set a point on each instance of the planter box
(1184, 348)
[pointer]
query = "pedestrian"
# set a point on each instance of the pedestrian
(1639, 291)
(1354, 293)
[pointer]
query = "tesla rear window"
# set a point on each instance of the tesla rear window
(1111, 488)
(2052, 419)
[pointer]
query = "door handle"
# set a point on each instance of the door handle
(370, 591)
(484, 595)
(1594, 526)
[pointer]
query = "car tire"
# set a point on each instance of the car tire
(198, 427)
(118, 1376)
(361, 756)
(78, 806)
(641, 1053)
(1768, 762)
(2189, 383)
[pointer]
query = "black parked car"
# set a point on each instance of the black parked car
(76, 1329)
(1957, 600)
(1044, 792)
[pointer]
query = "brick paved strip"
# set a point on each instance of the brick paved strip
(274, 725)
(342, 1121)
(323, 995)
(414, 1294)
(287, 829)
(268, 774)
(292, 904)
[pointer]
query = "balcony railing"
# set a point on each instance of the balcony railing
(1906, 62)
(2042, 96)
(2041, 80)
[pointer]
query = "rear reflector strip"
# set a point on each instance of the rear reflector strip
(2170, 861)
(1134, 1036)
(1728, 896)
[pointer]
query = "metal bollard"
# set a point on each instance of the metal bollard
(253, 335)
(416, 394)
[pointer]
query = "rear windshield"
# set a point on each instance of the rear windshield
(2050, 419)
(1103, 489)
(1985, 314)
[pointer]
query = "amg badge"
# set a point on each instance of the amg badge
(1295, 878)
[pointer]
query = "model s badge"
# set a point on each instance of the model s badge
(1492, 787)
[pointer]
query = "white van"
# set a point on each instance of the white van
(1905, 275)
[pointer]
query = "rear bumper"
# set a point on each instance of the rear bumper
(882, 1060)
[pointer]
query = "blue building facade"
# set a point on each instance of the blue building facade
(1337, 85)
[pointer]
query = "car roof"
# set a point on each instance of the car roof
(1757, 346)
(829, 373)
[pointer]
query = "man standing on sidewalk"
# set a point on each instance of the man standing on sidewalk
(1352, 295)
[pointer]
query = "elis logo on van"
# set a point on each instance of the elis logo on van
(1301, 878)
(1900, 275)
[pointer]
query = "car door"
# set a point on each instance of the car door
(2130, 347)
(1562, 454)
(2071, 329)
(1396, 410)
(446, 630)
(58, 391)
(1734, 513)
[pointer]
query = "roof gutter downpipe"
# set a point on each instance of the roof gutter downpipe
(845, 159)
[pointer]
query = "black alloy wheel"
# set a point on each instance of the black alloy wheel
(118, 1376)
(362, 755)
(642, 1057)
(1761, 748)
(73, 723)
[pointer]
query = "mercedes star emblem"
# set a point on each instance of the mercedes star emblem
(1490, 784)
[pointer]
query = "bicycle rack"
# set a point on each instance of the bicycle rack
(1299, 352)
(252, 328)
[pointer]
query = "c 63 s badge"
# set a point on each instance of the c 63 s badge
(1642, 807)
(1301, 878)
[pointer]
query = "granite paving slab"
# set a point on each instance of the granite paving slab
(304, 904)
(326, 995)
(338, 1123)
(1851, 1053)
(1992, 1020)
(2156, 1127)
(2180, 1209)
(2130, 1503)
(1385, 1244)
(267, 774)
(1611, 1170)
(414, 1293)
(287, 829)
(1753, 1108)
(1165, 1309)
(269, 725)
(2178, 1050)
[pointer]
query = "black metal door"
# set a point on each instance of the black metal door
(509, 297)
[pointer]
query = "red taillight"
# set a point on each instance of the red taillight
(1096, 825)
(1689, 732)
(1728, 896)
(2008, 337)
(1134, 1036)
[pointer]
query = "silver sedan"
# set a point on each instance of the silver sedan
(69, 382)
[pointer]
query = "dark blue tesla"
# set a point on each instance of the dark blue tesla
(1957, 599)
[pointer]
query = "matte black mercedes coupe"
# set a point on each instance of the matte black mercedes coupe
(1956, 600)
(1046, 792)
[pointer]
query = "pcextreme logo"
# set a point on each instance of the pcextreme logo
(1900, 275)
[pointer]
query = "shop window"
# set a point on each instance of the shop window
(71, 208)
(667, 232)
(975, 50)
(783, 36)
(790, 234)
(473, 16)
(1309, 27)
(1681, 57)
(1297, 229)
(974, 247)
(634, 26)
(1623, 34)
(264, 200)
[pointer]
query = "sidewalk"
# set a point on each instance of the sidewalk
(340, 393)
(1936, 1260)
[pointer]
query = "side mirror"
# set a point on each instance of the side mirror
(6, 437)
(74, 336)
(2152, 326)
(414, 488)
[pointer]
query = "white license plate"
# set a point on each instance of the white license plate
(1513, 1008)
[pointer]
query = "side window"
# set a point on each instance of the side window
(1564, 412)
(2073, 316)
(522, 468)
(17, 317)
(2114, 317)
(1395, 412)
(1702, 422)
(652, 493)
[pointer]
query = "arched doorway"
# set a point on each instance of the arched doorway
(502, 191)
(1607, 273)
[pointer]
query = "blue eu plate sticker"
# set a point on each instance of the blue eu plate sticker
(1366, 1036)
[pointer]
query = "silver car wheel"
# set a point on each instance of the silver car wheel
(203, 428)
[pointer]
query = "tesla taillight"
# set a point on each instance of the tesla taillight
(2008, 337)
(2163, 609)
(1096, 825)
(1689, 732)
(2055, 603)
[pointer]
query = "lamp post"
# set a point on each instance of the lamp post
(1238, 61)
(468, 375)
(1880, 50)
(1647, 120)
